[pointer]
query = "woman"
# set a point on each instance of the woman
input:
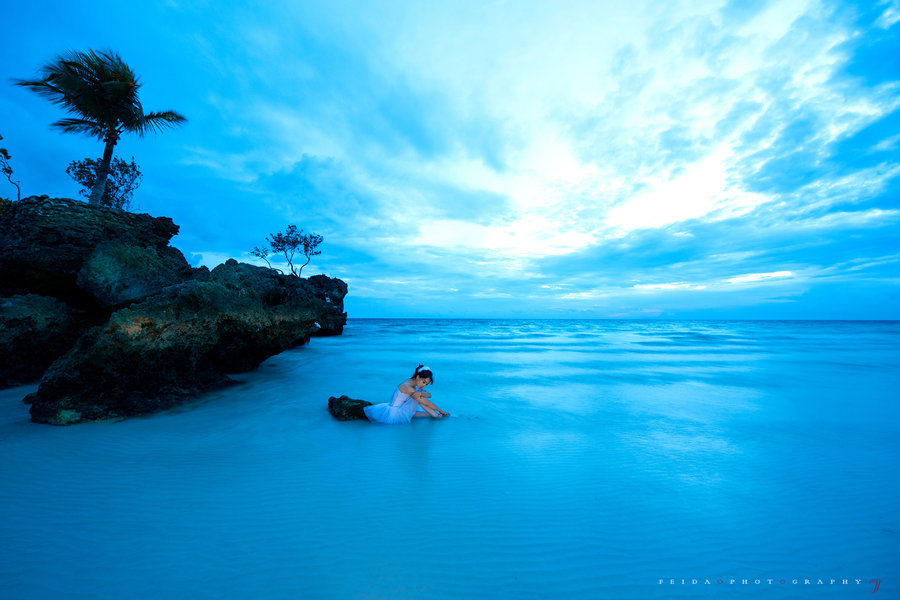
(410, 400)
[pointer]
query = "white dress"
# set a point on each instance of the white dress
(400, 409)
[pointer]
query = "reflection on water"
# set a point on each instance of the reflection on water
(584, 459)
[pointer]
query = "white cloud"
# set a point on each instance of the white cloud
(890, 16)
(578, 102)
(867, 264)
(679, 285)
(873, 217)
(775, 21)
(524, 236)
(702, 188)
(586, 124)
(757, 277)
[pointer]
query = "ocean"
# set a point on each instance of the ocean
(583, 459)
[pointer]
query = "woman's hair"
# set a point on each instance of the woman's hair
(423, 372)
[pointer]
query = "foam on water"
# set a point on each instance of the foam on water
(584, 459)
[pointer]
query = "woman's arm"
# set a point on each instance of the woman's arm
(415, 393)
(431, 407)
(422, 397)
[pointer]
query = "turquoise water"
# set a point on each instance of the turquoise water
(584, 459)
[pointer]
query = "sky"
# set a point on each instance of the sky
(525, 159)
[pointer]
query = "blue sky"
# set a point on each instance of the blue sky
(722, 159)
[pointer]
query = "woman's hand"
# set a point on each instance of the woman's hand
(431, 408)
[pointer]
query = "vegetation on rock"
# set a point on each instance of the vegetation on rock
(121, 182)
(289, 243)
(7, 170)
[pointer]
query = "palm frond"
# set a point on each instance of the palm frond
(42, 87)
(101, 91)
(158, 121)
(91, 128)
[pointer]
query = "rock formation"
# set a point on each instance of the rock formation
(346, 408)
(34, 331)
(123, 325)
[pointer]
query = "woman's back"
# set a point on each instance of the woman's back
(400, 397)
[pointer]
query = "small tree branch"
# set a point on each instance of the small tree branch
(7, 170)
(308, 258)
(289, 243)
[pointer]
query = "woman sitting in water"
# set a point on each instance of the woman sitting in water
(410, 400)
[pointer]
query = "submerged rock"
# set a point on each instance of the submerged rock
(149, 331)
(346, 408)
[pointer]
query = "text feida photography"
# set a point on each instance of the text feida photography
(806, 583)
(449, 299)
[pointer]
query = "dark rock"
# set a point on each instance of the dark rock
(45, 243)
(132, 327)
(319, 294)
(118, 273)
(347, 409)
(34, 331)
(331, 292)
(153, 355)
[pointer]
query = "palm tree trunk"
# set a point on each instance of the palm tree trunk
(103, 168)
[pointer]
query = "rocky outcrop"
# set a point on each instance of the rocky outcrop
(347, 409)
(331, 292)
(34, 331)
(151, 331)
(118, 273)
(48, 244)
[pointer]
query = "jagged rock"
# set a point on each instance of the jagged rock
(45, 243)
(331, 291)
(346, 408)
(321, 294)
(34, 331)
(154, 331)
(118, 273)
(153, 355)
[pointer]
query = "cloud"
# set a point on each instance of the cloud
(757, 277)
(678, 285)
(674, 97)
(519, 158)
(697, 191)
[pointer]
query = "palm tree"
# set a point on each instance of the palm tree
(102, 91)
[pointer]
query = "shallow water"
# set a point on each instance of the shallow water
(584, 459)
